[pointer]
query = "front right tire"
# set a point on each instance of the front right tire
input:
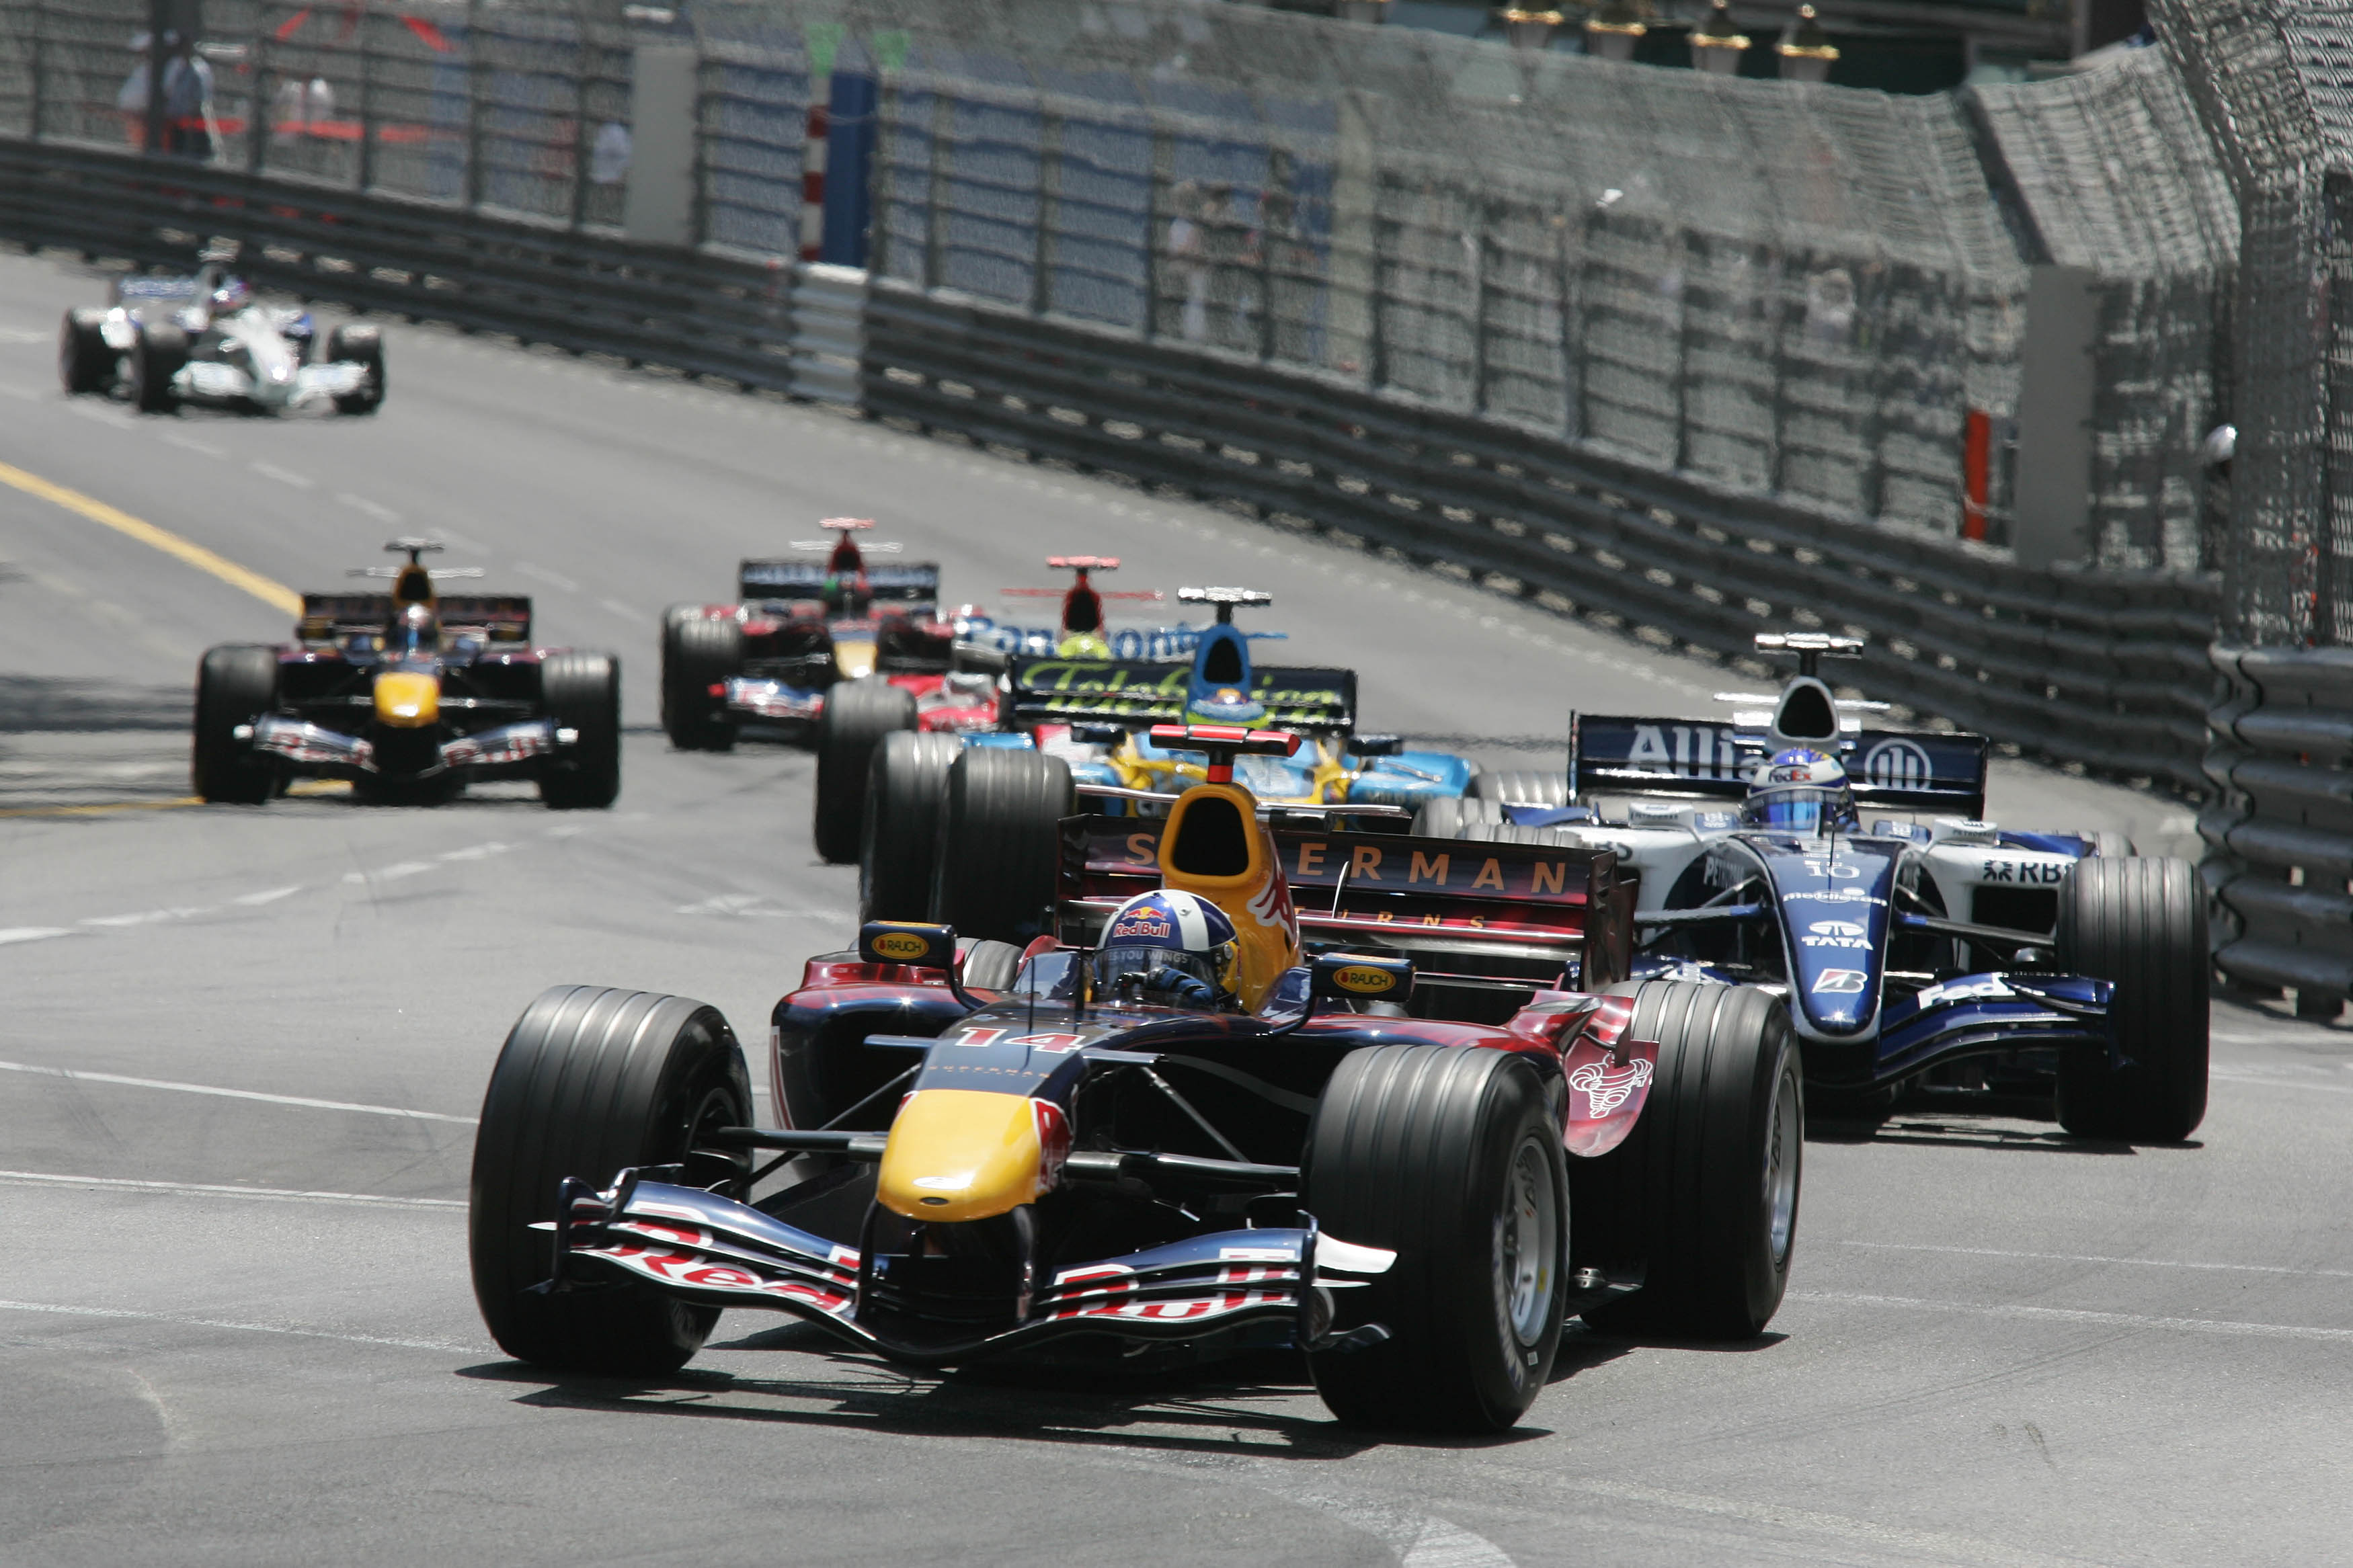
(236, 685)
(590, 1081)
(699, 653)
(2140, 923)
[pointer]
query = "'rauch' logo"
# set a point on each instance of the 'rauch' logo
(1367, 980)
(902, 945)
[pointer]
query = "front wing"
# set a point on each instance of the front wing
(702, 1247)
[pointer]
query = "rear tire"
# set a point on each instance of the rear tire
(583, 693)
(906, 796)
(85, 363)
(1451, 1157)
(364, 346)
(2140, 923)
(1001, 843)
(591, 1081)
(1704, 1192)
(236, 685)
(857, 717)
(155, 359)
(1521, 786)
(698, 654)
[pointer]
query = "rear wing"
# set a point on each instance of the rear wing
(1891, 769)
(136, 290)
(1138, 692)
(910, 582)
(1480, 902)
(493, 617)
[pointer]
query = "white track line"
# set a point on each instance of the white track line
(2070, 1315)
(212, 1190)
(32, 933)
(2087, 1257)
(121, 1313)
(80, 1076)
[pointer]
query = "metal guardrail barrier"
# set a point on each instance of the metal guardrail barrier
(2108, 670)
(756, 319)
(2281, 832)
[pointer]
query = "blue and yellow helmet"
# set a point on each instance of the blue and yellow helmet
(1169, 930)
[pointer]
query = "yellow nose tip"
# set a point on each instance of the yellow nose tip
(959, 1155)
(406, 700)
(853, 660)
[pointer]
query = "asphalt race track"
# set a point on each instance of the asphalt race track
(242, 1049)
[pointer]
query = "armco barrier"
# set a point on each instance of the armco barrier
(2281, 830)
(2108, 670)
(711, 311)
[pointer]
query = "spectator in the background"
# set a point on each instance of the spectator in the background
(609, 155)
(187, 100)
(299, 108)
(132, 102)
(1188, 272)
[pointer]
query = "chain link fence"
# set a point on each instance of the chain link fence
(1803, 292)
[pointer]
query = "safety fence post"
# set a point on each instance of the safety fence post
(1050, 180)
(363, 172)
(261, 51)
(935, 203)
(478, 58)
(33, 104)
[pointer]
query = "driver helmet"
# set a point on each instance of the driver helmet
(1798, 791)
(1169, 930)
(231, 294)
(415, 630)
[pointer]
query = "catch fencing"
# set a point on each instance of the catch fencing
(1699, 356)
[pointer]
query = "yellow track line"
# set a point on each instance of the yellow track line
(274, 593)
(100, 810)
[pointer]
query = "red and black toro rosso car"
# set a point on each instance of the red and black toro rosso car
(768, 664)
(1372, 1160)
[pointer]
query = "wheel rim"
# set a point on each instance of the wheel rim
(715, 1169)
(1784, 1143)
(1527, 1244)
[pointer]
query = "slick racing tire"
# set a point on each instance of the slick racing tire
(1521, 786)
(1451, 1157)
(906, 788)
(857, 715)
(155, 359)
(85, 363)
(591, 1081)
(2140, 923)
(234, 686)
(583, 694)
(1001, 843)
(697, 655)
(363, 346)
(1704, 1192)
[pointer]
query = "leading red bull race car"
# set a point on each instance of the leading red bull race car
(1168, 1127)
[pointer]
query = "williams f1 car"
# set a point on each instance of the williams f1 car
(409, 695)
(1948, 953)
(163, 342)
(893, 804)
(996, 1153)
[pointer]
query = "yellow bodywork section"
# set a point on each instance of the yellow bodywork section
(853, 660)
(961, 1153)
(1257, 898)
(1328, 772)
(406, 700)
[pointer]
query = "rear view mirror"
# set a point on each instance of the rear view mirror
(1098, 735)
(1375, 745)
(912, 944)
(1351, 977)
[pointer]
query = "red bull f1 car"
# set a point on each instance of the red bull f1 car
(409, 695)
(1947, 954)
(1429, 1124)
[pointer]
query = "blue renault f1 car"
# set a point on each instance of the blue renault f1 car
(1944, 952)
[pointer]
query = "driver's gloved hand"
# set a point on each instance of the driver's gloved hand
(1171, 986)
